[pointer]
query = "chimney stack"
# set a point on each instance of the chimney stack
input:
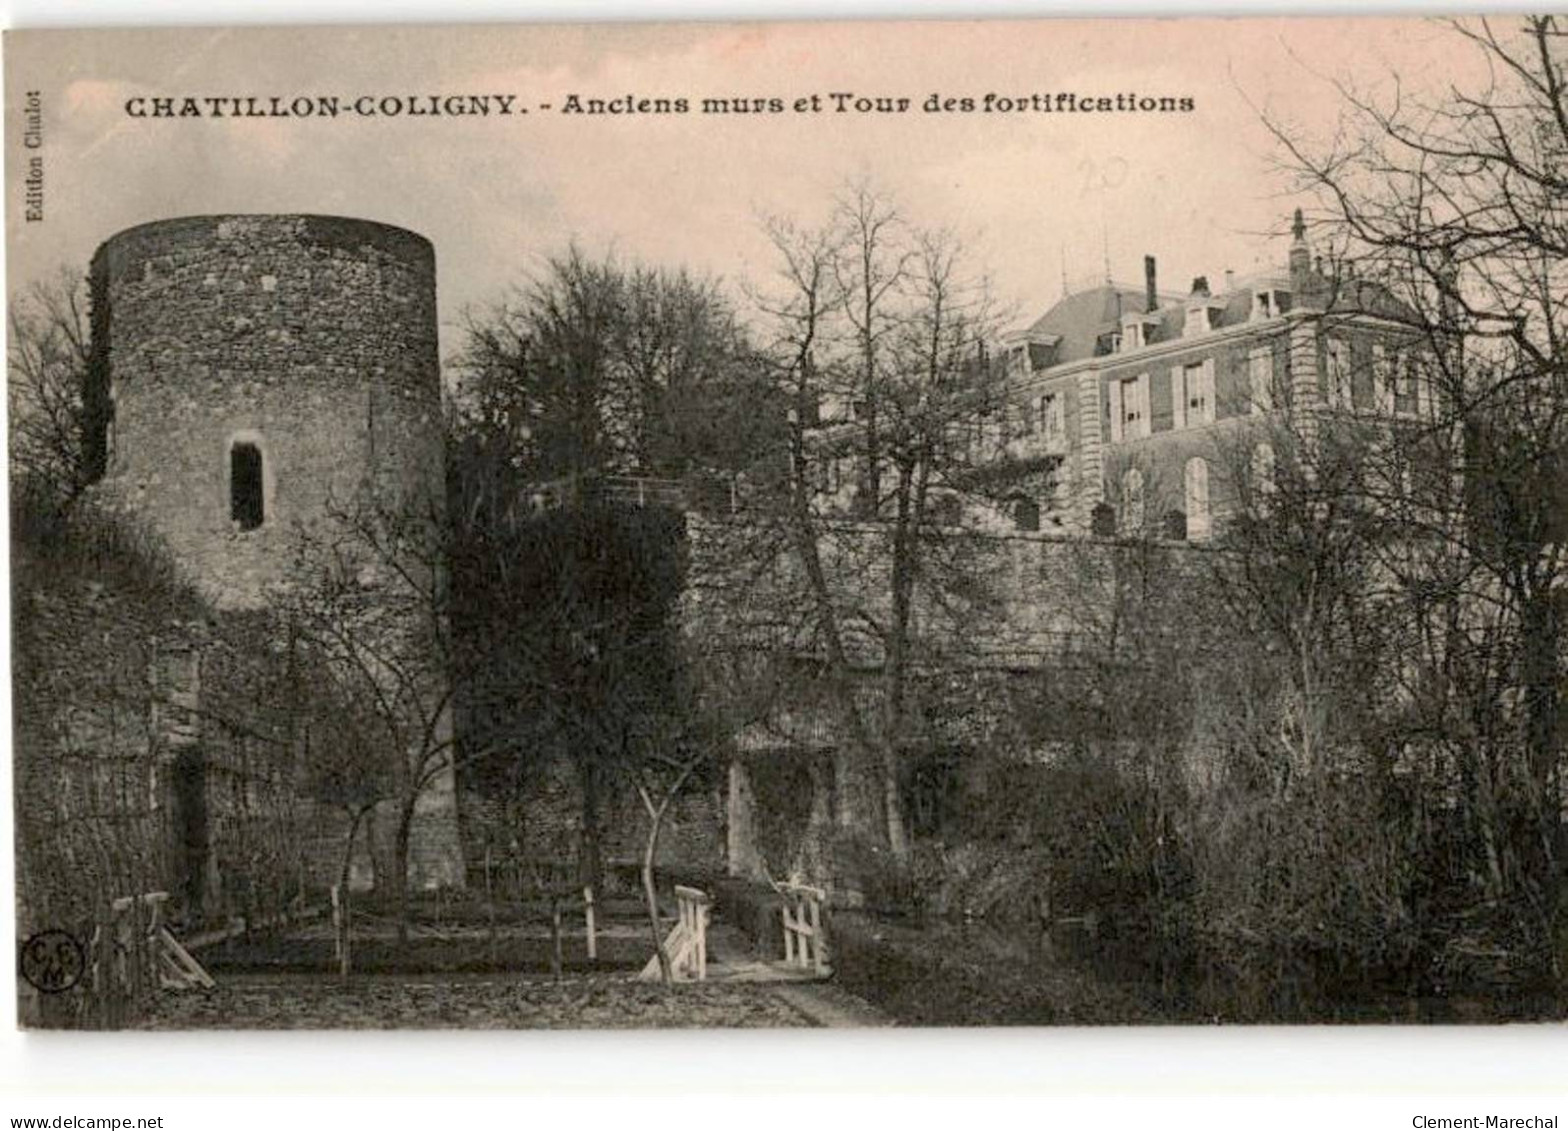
(1300, 258)
(1200, 286)
(1150, 296)
(1230, 280)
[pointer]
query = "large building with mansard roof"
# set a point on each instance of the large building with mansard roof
(1137, 409)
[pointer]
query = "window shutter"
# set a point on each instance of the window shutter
(1261, 367)
(1382, 387)
(1206, 388)
(1422, 390)
(1178, 398)
(1143, 404)
(1116, 411)
(1197, 477)
(1338, 379)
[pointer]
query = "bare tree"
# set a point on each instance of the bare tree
(370, 599)
(1456, 205)
(47, 357)
(659, 754)
(876, 340)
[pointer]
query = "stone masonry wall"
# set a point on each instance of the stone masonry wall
(313, 339)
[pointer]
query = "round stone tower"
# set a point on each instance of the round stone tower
(248, 370)
(250, 379)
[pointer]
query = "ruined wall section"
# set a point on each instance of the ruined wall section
(160, 757)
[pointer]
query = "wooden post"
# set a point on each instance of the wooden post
(105, 972)
(490, 902)
(94, 973)
(590, 928)
(135, 949)
(340, 920)
(124, 936)
(151, 940)
(816, 934)
(107, 975)
(702, 942)
(555, 936)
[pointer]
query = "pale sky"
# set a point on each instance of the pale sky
(497, 195)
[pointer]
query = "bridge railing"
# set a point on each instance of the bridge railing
(805, 944)
(686, 946)
(711, 494)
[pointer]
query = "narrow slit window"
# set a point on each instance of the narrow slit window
(247, 506)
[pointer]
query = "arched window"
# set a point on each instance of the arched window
(1197, 483)
(1132, 499)
(247, 490)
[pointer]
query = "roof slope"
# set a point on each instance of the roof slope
(1079, 320)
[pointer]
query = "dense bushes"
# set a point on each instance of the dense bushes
(953, 974)
(1230, 885)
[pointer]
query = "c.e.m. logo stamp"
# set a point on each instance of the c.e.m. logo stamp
(52, 961)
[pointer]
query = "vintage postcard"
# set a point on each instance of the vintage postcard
(854, 524)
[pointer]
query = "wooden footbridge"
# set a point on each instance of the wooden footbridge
(697, 951)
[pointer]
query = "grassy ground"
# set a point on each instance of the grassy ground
(513, 949)
(598, 1001)
(459, 969)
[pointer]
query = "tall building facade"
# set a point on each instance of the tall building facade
(1133, 409)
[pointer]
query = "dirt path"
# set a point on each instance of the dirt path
(829, 1007)
(821, 1003)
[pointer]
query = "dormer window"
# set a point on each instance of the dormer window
(1269, 302)
(1138, 329)
(1200, 307)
